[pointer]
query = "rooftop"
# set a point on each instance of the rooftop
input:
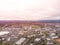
(20, 40)
(3, 32)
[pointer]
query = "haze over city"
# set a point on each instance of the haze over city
(29, 9)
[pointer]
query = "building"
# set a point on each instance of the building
(3, 33)
(53, 36)
(20, 41)
(49, 41)
(3, 36)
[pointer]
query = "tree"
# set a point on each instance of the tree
(46, 33)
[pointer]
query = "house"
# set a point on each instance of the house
(37, 39)
(49, 41)
(53, 36)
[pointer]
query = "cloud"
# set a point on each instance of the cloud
(29, 9)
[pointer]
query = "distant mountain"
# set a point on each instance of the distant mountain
(50, 21)
(19, 21)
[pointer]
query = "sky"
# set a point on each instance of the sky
(29, 9)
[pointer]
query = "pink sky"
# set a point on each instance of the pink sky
(29, 9)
